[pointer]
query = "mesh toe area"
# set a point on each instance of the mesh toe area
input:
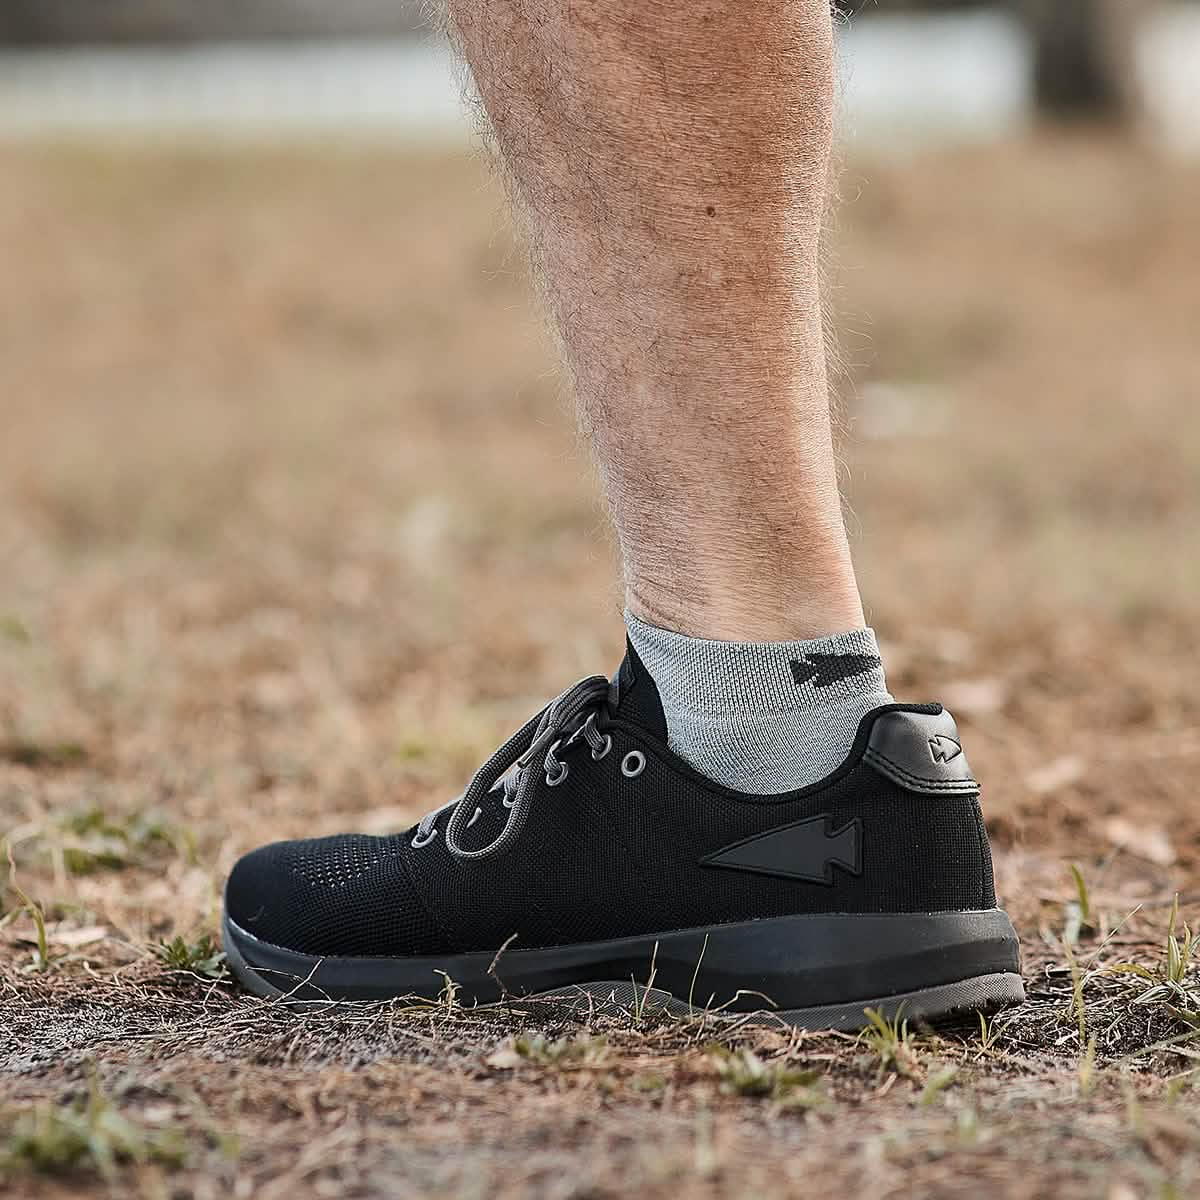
(346, 895)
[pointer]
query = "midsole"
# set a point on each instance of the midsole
(784, 962)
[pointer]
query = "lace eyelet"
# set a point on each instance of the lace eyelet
(633, 764)
(603, 751)
(418, 841)
(555, 780)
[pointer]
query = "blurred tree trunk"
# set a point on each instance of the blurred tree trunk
(1085, 57)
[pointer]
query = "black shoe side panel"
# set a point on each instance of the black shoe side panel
(608, 856)
(915, 852)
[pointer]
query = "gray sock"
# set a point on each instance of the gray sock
(762, 717)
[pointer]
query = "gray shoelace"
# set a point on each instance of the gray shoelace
(572, 717)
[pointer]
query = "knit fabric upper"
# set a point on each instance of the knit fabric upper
(606, 855)
(347, 895)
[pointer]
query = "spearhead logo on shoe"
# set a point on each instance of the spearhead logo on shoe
(943, 748)
(823, 670)
(807, 850)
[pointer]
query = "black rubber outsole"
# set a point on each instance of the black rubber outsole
(817, 971)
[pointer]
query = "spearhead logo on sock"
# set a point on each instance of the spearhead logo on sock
(822, 670)
(807, 850)
(943, 749)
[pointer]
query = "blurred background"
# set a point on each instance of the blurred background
(923, 69)
(294, 523)
(295, 527)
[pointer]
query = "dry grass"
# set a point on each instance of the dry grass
(293, 525)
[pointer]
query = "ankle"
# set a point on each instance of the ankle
(751, 613)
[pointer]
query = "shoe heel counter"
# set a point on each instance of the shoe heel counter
(920, 751)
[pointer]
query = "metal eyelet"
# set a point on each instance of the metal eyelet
(603, 751)
(418, 841)
(633, 764)
(555, 780)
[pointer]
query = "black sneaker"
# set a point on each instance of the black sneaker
(586, 859)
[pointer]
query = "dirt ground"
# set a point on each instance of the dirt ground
(294, 526)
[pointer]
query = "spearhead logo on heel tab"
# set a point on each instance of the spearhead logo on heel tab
(944, 749)
(824, 670)
(807, 850)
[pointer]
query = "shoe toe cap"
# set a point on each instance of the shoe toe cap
(350, 895)
(261, 892)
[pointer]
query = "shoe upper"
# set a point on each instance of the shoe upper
(633, 841)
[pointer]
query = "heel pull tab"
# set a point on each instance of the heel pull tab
(921, 751)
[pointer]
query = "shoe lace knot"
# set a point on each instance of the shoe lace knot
(581, 713)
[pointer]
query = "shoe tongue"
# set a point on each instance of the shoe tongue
(637, 696)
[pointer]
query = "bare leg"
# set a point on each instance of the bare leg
(672, 162)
